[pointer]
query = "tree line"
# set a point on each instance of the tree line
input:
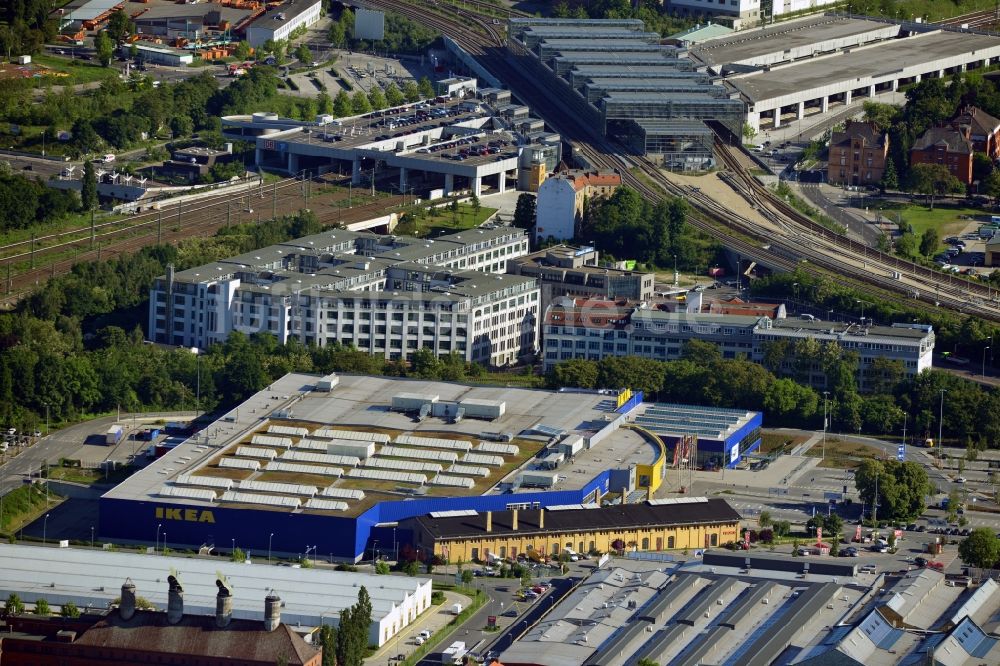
(777, 387)
(347, 643)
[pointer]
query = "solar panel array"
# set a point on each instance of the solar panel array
(205, 481)
(203, 494)
(482, 459)
(469, 470)
(326, 505)
(342, 493)
(255, 452)
(308, 456)
(287, 430)
(329, 433)
(278, 488)
(419, 454)
(386, 475)
(434, 443)
(405, 465)
(452, 481)
(498, 447)
(240, 463)
(266, 440)
(254, 498)
(297, 468)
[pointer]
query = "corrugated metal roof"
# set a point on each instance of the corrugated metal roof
(238, 463)
(326, 505)
(280, 488)
(297, 468)
(256, 498)
(386, 475)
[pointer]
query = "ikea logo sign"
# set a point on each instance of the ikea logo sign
(187, 515)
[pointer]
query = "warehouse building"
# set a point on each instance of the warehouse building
(309, 597)
(336, 462)
(630, 85)
(281, 20)
(702, 437)
(814, 65)
(160, 55)
(668, 524)
(660, 335)
(386, 295)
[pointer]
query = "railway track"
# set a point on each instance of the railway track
(983, 19)
(790, 241)
(173, 224)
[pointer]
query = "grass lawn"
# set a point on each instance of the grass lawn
(439, 221)
(80, 71)
(843, 455)
(778, 443)
(948, 220)
(25, 504)
(87, 476)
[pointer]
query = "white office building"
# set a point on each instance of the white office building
(279, 22)
(386, 295)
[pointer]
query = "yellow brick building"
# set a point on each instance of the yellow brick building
(686, 523)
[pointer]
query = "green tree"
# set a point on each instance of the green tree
(576, 372)
(242, 50)
(929, 241)
(303, 54)
(645, 661)
(411, 568)
(359, 103)
(429, 566)
(701, 352)
(525, 210)
(393, 95)
(764, 520)
(933, 180)
(14, 605)
(70, 610)
(382, 567)
(411, 92)
(337, 35)
(342, 105)
(376, 98)
(42, 607)
(749, 132)
(328, 643)
(902, 488)
(467, 577)
(105, 48)
(425, 87)
(890, 179)
(981, 549)
(120, 26)
(477, 205)
(88, 191)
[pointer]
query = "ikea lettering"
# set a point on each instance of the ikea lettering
(187, 515)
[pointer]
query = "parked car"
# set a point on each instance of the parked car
(920, 562)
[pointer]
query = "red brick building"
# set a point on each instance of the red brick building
(982, 129)
(858, 155)
(128, 635)
(948, 146)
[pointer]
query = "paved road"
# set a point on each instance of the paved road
(840, 210)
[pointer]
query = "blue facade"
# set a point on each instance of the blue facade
(340, 537)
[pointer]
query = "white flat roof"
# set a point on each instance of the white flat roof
(89, 577)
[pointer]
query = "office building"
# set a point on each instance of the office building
(281, 20)
(383, 294)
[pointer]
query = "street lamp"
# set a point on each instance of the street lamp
(985, 349)
(163, 550)
(91, 536)
(45, 529)
(941, 419)
(826, 419)
(157, 537)
(269, 547)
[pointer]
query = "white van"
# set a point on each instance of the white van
(107, 159)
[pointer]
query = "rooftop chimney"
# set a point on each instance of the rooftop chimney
(175, 600)
(272, 611)
(126, 609)
(489, 521)
(541, 519)
(513, 525)
(223, 604)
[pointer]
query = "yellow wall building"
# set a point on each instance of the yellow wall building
(694, 522)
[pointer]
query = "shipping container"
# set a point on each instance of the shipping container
(327, 383)
(483, 409)
(411, 402)
(114, 434)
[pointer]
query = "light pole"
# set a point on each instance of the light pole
(985, 349)
(395, 551)
(676, 274)
(91, 536)
(826, 419)
(45, 529)
(269, 547)
(163, 548)
(941, 420)
(232, 550)
(157, 546)
(46, 419)
(374, 546)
